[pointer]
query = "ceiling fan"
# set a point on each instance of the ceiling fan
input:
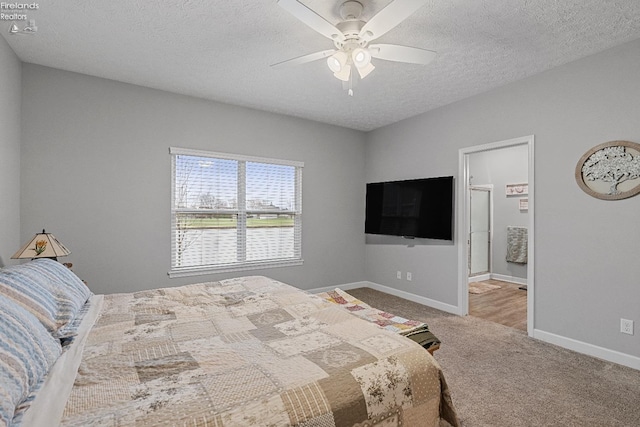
(351, 38)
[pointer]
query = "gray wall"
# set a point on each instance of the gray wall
(501, 167)
(10, 98)
(587, 270)
(97, 175)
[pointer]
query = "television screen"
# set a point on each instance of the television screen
(412, 208)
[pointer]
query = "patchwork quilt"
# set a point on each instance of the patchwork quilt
(412, 329)
(247, 352)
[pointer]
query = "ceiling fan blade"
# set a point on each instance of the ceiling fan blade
(394, 52)
(393, 14)
(305, 58)
(312, 19)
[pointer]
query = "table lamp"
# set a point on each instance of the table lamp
(43, 245)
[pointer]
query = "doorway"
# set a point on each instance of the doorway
(466, 253)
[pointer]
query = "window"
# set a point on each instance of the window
(232, 212)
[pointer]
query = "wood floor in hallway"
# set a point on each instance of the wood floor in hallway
(507, 305)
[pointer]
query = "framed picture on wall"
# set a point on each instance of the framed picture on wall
(523, 204)
(610, 171)
(517, 189)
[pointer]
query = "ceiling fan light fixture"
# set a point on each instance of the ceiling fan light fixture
(344, 73)
(352, 37)
(365, 70)
(361, 57)
(337, 61)
(334, 64)
(362, 60)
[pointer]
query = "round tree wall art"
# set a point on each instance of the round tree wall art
(610, 171)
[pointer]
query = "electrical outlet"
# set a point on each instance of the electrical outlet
(409, 277)
(399, 274)
(626, 326)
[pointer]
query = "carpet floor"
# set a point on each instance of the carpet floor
(498, 376)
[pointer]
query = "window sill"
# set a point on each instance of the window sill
(200, 271)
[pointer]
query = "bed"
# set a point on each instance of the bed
(415, 330)
(249, 351)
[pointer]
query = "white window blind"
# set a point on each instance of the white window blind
(232, 212)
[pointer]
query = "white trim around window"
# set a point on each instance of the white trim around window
(233, 212)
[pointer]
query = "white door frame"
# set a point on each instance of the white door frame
(463, 223)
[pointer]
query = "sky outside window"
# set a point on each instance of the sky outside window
(209, 183)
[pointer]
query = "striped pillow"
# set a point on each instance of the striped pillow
(47, 289)
(27, 351)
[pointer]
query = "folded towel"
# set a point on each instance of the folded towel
(517, 244)
(422, 336)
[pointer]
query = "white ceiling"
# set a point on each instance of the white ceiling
(222, 50)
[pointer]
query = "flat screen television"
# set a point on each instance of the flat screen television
(412, 208)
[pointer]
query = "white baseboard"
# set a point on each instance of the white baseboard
(504, 278)
(510, 279)
(416, 298)
(479, 278)
(391, 291)
(589, 349)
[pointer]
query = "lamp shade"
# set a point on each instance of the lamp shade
(361, 57)
(365, 70)
(43, 245)
(337, 61)
(344, 73)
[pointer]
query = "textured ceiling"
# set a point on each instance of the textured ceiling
(222, 50)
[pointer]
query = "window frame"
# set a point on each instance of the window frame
(241, 212)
